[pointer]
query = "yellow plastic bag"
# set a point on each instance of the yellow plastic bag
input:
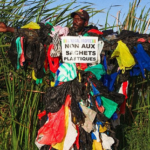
(31, 25)
(33, 75)
(102, 129)
(123, 56)
(105, 127)
(97, 145)
(79, 77)
(52, 83)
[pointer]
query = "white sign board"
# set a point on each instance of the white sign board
(79, 49)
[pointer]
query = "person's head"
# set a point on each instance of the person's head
(80, 20)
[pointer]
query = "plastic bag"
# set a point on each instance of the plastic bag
(70, 135)
(22, 58)
(107, 141)
(81, 66)
(60, 145)
(97, 94)
(142, 58)
(33, 75)
(31, 25)
(123, 56)
(90, 116)
(67, 72)
(102, 129)
(123, 89)
(53, 130)
(95, 134)
(109, 80)
(100, 108)
(77, 138)
(53, 61)
(19, 51)
(109, 105)
(136, 71)
(95, 31)
(97, 70)
(97, 145)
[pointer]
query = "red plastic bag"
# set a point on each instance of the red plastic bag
(40, 115)
(123, 90)
(60, 145)
(141, 40)
(81, 66)
(53, 61)
(77, 138)
(95, 31)
(53, 130)
(100, 108)
(22, 58)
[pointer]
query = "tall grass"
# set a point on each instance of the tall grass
(19, 102)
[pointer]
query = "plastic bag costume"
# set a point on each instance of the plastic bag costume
(81, 103)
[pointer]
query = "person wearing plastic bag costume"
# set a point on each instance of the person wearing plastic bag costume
(83, 87)
(80, 82)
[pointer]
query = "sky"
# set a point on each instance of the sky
(123, 7)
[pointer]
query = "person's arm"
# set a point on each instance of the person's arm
(4, 28)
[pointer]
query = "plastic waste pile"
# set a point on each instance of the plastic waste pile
(83, 102)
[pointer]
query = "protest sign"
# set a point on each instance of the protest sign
(79, 49)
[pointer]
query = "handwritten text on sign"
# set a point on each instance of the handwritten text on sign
(79, 49)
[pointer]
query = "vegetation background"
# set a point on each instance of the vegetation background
(21, 98)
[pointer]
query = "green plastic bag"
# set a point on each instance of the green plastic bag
(19, 51)
(50, 25)
(97, 70)
(86, 34)
(109, 105)
(67, 72)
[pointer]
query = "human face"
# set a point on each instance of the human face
(78, 23)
